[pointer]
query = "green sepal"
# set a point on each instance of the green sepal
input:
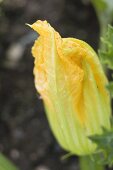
(106, 53)
(66, 156)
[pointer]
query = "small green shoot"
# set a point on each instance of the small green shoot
(5, 164)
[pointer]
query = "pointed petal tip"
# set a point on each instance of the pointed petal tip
(42, 27)
(29, 25)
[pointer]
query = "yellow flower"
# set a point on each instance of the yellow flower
(71, 82)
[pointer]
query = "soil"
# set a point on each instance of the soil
(25, 136)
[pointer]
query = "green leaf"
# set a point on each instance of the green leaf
(106, 53)
(104, 143)
(110, 88)
(5, 164)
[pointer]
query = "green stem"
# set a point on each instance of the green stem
(103, 31)
(86, 163)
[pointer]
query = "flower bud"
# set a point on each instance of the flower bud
(71, 82)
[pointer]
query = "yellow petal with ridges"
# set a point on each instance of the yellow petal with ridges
(71, 82)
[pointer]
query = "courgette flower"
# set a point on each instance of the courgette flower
(71, 82)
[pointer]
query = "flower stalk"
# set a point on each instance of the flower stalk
(86, 163)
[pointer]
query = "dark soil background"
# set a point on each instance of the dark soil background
(25, 136)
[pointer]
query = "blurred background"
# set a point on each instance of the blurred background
(25, 136)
